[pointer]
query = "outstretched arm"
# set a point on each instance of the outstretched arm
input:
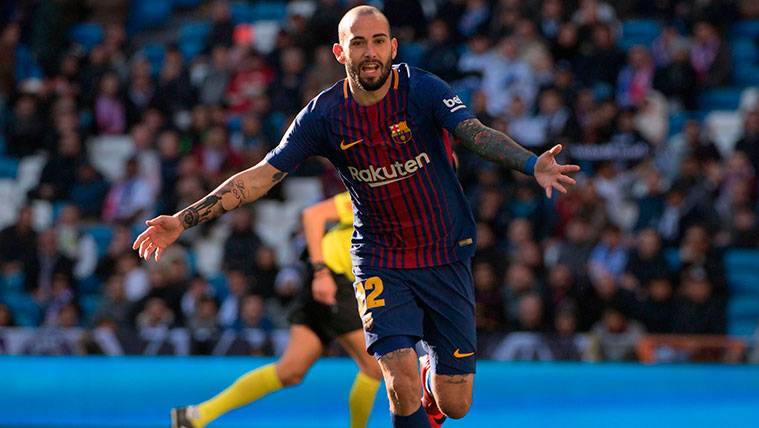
(244, 187)
(493, 145)
(501, 149)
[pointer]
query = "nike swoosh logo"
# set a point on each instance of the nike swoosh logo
(457, 353)
(349, 145)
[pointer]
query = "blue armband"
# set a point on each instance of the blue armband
(529, 166)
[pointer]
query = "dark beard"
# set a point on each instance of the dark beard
(355, 73)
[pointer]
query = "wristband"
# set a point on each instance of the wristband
(529, 166)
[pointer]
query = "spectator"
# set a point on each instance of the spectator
(215, 157)
(488, 303)
(440, 56)
(615, 337)
(518, 282)
(657, 307)
(610, 254)
(697, 309)
(749, 142)
(75, 243)
(130, 200)
(89, 191)
(214, 85)
(114, 305)
(508, 76)
(252, 78)
(603, 50)
(59, 173)
(110, 112)
(531, 314)
(204, 327)
(241, 243)
(238, 286)
(156, 318)
(46, 262)
(23, 131)
(253, 315)
(675, 77)
(173, 91)
(636, 78)
(222, 28)
(709, 56)
(61, 294)
(141, 92)
(6, 320)
(646, 261)
(565, 344)
(575, 250)
(18, 244)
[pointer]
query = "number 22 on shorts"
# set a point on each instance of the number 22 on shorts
(375, 288)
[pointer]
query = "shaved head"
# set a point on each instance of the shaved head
(344, 28)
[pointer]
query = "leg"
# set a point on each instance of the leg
(453, 393)
(401, 373)
(450, 336)
(354, 345)
(303, 349)
(367, 382)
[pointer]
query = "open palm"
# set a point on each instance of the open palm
(162, 231)
(550, 174)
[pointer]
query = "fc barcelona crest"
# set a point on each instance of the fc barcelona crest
(400, 132)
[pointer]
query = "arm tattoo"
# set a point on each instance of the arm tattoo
(492, 145)
(228, 197)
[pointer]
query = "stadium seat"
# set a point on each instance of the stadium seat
(154, 53)
(724, 128)
(743, 307)
(187, 3)
(744, 51)
(747, 28)
(108, 154)
(146, 14)
(270, 11)
(746, 75)
(90, 286)
(303, 191)
(218, 284)
(742, 260)
(8, 167)
(742, 328)
(102, 234)
(743, 283)
(2, 144)
(411, 53)
(25, 310)
(29, 171)
(672, 256)
(89, 304)
(192, 39)
(638, 32)
(10, 197)
(720, 99)
(242, 13)
(87, 35)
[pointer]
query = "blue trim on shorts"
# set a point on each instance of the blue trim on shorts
(386, 345)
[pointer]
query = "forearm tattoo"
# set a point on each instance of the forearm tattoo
(230, 196)
(492, 145)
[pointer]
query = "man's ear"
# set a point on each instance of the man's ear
(394, 47)
(339, 53)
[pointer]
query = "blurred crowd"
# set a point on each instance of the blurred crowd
(635, 248)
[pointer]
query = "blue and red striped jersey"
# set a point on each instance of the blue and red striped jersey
(395, 160)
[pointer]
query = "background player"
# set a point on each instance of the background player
(382, 127)
(325, 312)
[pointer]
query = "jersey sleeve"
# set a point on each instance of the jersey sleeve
(449, 110)
(302, 140)
(344, 208)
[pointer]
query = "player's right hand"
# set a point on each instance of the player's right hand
(323, 288)
(162, 231)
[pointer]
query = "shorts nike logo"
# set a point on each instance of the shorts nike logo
(457, 353)
(349, 145)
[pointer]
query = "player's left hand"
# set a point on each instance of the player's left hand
(324, 288)
(550, 174)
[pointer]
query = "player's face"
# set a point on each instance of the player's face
(367, 50)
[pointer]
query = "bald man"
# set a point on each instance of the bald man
(386, 128)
